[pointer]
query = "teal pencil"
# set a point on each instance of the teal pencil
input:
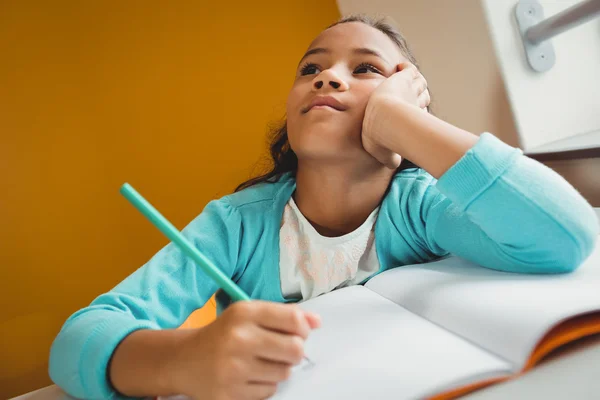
(167, 228)
(222, 280)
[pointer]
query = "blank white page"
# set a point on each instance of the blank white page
(369, 347)
(503, 312)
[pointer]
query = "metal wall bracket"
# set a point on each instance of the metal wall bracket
(541, 56)
(537, 31)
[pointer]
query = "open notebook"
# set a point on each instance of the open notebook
(441, 329)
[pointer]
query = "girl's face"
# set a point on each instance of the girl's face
(334, 81)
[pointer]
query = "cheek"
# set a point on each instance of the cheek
(290, 111)
(366, 91)
(293, 107)
(294, 98)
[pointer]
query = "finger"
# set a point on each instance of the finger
(283, 318)
(314, 320)
(424, 99)
(264, 371)
(393, 161)
(385, 156)
(407, 67)
(419, 86)
(279, 347)
(256, 391)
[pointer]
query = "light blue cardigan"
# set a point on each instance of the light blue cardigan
(495, 207)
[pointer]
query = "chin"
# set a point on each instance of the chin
(328, 151)
(327, 139)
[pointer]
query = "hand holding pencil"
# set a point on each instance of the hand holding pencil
(247, 351)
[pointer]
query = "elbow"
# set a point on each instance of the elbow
(566, 259)
(64, 363)
(80, 354)
(569, 253)
(584, 238)
(61, 368)
(55, 371)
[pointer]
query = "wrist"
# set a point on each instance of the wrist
(172, 371)
(189, 362)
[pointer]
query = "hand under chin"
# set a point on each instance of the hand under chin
(385, 156)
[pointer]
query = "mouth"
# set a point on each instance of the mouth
(324, 102)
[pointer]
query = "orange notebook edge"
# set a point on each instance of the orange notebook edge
(564, 332)
(460, 391)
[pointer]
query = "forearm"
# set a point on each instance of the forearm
(144, 363)
(509, 212)
(420, 137)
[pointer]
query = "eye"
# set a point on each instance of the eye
(309, 69)
(364, 68)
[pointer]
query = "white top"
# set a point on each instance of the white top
(311, 264)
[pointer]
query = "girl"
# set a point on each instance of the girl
(340, 205)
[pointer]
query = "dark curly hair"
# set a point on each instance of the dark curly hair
(283, 157)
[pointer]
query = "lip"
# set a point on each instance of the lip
(326, 101)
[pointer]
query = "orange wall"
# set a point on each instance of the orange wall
(173, 97)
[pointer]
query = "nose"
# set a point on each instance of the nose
(334, 84)
(329, 79)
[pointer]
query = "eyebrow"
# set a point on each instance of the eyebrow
(358, 50)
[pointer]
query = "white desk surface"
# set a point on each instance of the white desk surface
(571, 372)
